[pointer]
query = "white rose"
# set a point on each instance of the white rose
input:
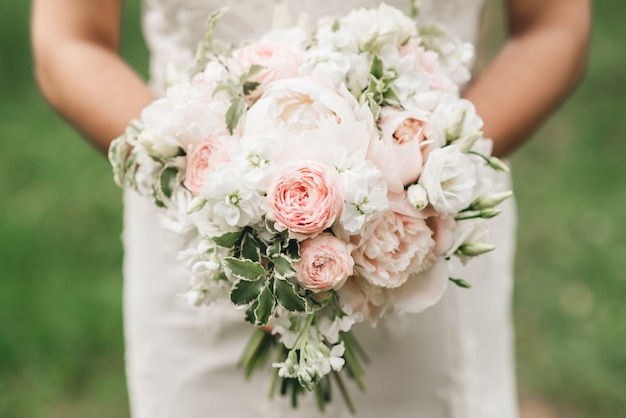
(449, 177)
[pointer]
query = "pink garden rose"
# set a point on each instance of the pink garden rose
(306, 199)
(203, 158)
(404, 146)
(278, 62)
(394, 246)
(325, 263)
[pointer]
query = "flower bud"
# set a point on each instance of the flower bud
(489, 213)
(417, 196)
(475, 248)
(498, 164)
(490, 200)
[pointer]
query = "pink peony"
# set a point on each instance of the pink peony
(395, 245)
(278, 62)
(306, 199)
(325, 263)
(361, 298)
(404, 146)
(421, 290)
(203, 158)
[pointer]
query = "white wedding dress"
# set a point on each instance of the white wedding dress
(453, 361)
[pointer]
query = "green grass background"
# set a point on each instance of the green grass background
(61, 344)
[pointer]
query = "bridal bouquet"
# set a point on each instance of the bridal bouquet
(320, 178)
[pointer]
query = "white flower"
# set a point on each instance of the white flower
(469, 232)
(417, 196)
(188, 114)
(449, 177)
(330, 328)
(310, 119)
(375, 28)
(365, 195)
(235, 203)
(456, 122)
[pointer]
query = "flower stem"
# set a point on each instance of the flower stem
(344, 392)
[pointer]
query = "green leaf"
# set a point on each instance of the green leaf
(377, 69)
(234, 113)
(274, 249)
(245, 269)
(246, 291)
(265, 310)
(252, 71)
(229, 87)
(211, 23)
(249, 87)
(229, 239)
(283, 267)
(167, 181)
(288, 298)
(250, 312)
(293, 250)
(250, 248)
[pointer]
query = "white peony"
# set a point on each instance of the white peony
(311, 120)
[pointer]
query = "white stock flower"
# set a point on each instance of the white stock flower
(330, 328)
(375, 28)
(235, 203)
(449, 177)
(365, 195)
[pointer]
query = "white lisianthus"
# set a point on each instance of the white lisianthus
(473, 232)
(456, 122)
(449, 178)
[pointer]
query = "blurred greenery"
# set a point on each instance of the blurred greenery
(61, 342)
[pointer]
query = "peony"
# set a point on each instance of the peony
(203, 158)
(278, 61)
(306, 199)
(404, 146)
(421, 290)
(311, 120)
(449, 178)
(393, 246)
(325, 263)
(362, 300)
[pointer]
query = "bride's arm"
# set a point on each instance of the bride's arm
(542, 61)
(79, 71)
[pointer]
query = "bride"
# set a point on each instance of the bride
(454, 360)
